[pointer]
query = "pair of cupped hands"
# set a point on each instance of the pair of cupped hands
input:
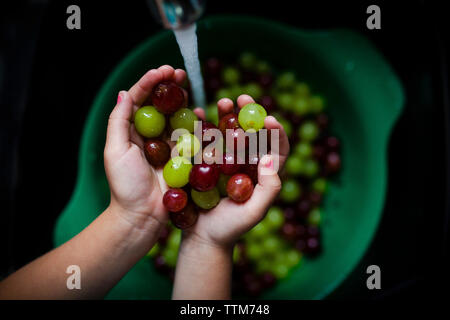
(137, 188)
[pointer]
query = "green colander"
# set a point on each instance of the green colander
(364, 98)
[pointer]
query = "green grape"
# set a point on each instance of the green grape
(286, 80)
(206, 199)
(255, 251)
(184, 118)
(276, 115)
(212, 114)
(149, 122)
(223, 93)
(262, 66)
(236, 254)
(301, 106)
(176, 172)
(294, 165)
(251, 117)
(272, 244)
(292, 257)
(315, 217)
(280, 271)
(259, 231)
(274, 218)
(170, 256)
(174, 239)
(222, 184)
(320, 185)
(317, 104)
(290, 190)
(308, 131)
(287, 126)
(153, 251)
(285, 101)
(230, 75)
(235, 92)
(254, 90)
(310, 168)
(301, 89)
(303, 149)
(188, 145)
(248, 60)
(263, 265)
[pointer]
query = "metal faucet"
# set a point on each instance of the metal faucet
(176, 14)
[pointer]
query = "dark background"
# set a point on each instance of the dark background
(49, 76)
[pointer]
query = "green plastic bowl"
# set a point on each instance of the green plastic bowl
(364, 100)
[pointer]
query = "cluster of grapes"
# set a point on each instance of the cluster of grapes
(291, 227)
(208, 180)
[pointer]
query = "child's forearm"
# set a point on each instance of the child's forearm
(104, 251)
(203, 271)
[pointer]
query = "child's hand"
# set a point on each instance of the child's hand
(136, 187)
(224, 224)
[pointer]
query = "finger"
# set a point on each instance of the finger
(180, 76)
(267, 189)
(225, 106)
(282, 147)
(243, 100)
(167, 71)
(200, 113)
(135, 137)
(142, 89)
(186, 98)
(118, 131)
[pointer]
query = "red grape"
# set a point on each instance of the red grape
(251, 168)
(213, 66)
(268, 103)
(303, 208)
(319, 152)
(315, 198)
(240, 187)
(204, 177)
(160, 263)
(229, 121)
(265, 80)
(289, 214)
(332, 143)
(230, 165)
(212, 85)
(322, 120)
(300, 231)
(185, 218)
(175, 199)
(288, 231)
(332, 162)
(237, 141)
(268, 279)
(157, 152)
(205, 127)
(168, 97)
(209, 156)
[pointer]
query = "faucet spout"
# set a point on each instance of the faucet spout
(176, 14)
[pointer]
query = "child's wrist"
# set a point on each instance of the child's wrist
(139, 228)
(198, 247)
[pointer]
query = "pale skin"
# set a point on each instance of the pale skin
(112, 244)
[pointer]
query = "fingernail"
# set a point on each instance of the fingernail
(269, 164)
(119, 97)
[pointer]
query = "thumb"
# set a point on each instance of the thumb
(118, 131)
(269, 184)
